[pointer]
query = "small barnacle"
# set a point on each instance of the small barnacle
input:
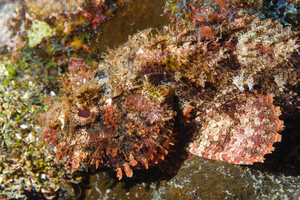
(61, 118)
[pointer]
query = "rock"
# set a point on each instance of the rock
(200, 178)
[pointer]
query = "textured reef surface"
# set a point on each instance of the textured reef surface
(229, 182)
(34, 49)
(223, 84)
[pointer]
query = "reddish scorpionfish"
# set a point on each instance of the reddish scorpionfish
(222, 88)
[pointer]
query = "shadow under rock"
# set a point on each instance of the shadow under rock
(286, 157)
(104, 184)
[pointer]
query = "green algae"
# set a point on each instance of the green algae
(27, 164)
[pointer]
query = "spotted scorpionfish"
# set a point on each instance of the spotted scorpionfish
(211, 91)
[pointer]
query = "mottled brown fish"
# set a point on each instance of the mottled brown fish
(227, 84)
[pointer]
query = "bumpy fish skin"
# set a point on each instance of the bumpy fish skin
(126, 113)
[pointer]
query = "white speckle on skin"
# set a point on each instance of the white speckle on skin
(140, 51)
(278, 80)
(108, 101)
(239, 82)
(61, 119)
(250, 83)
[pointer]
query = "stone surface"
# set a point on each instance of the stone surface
(200, 178)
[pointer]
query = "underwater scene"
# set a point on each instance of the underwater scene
(153, 100)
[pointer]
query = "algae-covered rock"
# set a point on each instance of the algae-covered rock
(11, 26)
(44, 7)
(27, 166)
(209, 11)
(145, 184)
(38, 31)
(200, 178)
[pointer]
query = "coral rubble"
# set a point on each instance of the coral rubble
(26, 165)
(44, 7)
(11, 26)
(122, 114)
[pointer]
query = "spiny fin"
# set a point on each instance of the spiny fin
(240, 131)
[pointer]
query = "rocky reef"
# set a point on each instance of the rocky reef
(194, 181)
(44, 8)
(26, 164)
(209, 12)
(217, 84)
(144, 184)
(11, 26)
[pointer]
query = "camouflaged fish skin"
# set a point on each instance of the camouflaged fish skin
(230, 82)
